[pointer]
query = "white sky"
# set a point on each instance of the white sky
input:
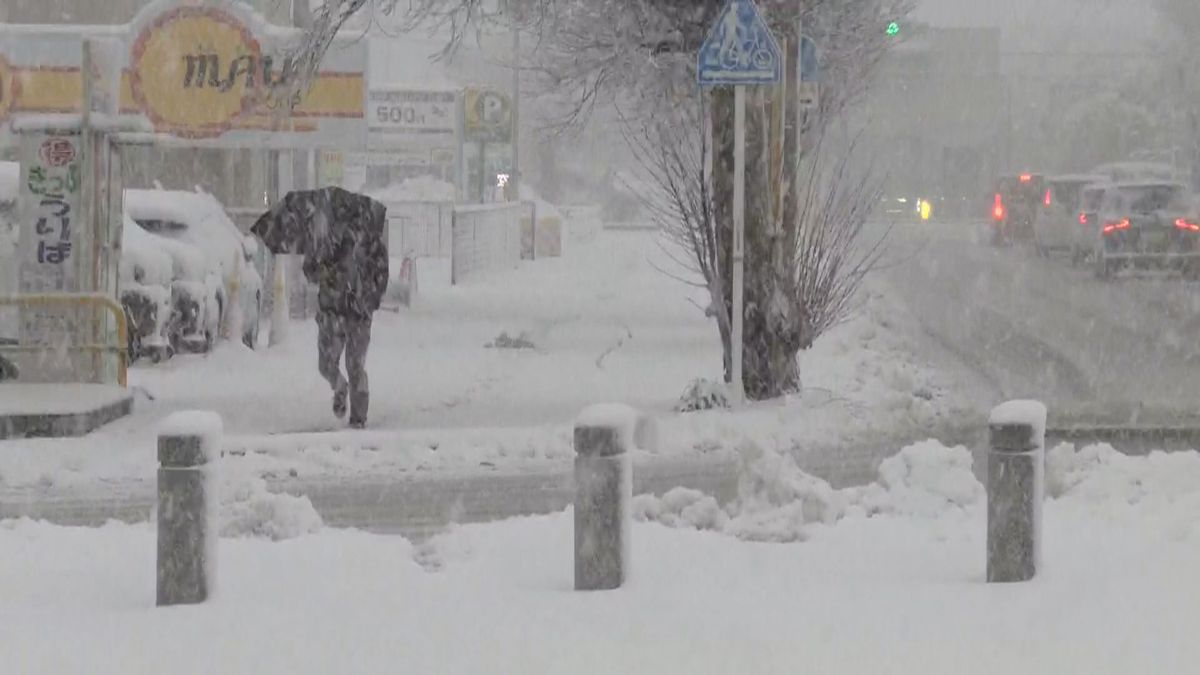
(1067, 25)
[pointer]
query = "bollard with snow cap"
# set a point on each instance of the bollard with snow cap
(1015, 489)
(604, 435)
(188, 447)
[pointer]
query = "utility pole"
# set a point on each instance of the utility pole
(515, 178)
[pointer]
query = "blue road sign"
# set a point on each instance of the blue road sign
(810, 60)
(739, 49)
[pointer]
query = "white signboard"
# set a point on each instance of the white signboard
(50, 224)
(428, 118)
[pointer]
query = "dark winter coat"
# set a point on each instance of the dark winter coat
(350, 264)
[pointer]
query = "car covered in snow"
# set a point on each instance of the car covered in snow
(1057, 226)
(1147, 224)
(147, 274)
(199, 221)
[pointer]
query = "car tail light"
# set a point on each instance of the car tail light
(1183, 224)
(998, 208)
(1120, 225)
(1083, 219)
(1049, 198)
(1025, 178)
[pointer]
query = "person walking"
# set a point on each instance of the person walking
(350, 269)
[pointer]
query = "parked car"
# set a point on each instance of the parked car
(1148, 224)
(199, 220)
(1057, 226)
(146, 274)
(1015, 204)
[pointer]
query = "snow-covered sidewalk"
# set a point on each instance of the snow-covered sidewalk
(607, 326)
(894, 584)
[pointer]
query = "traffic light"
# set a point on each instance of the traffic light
(893, 28)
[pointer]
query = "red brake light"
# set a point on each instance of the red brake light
(1025, 178)
(1048, 200)
(1083, 219)
(1122, 225)
(998, 208)
(1185, 225)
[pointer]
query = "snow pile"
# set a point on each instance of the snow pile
(418, 189)
(544, 208)
(924, 480)
(248, 509)
(703, 394)
(680, 507)
(1100, 475)
(776, 501)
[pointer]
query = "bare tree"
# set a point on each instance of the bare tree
(820, 259)
(640, 56)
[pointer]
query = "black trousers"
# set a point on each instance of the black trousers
(338, 334)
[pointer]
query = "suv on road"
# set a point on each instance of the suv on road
(1057, 226)
(1015, 204)
(1148, 224)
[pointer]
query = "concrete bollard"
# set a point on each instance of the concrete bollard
(604, 435)
(1016, 480)
(188, 447)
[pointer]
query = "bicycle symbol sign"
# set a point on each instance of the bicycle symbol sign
(739, 49)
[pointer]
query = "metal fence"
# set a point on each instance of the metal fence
(487, 238)
(419, 229)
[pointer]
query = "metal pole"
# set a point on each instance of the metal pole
(739, 231)
(515, 178)
(799, 108)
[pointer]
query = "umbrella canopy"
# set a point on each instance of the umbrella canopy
(307, 220)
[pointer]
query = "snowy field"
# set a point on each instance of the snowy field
(606, 325)
(887, 578)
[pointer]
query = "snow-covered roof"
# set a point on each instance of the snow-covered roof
(1078, 178)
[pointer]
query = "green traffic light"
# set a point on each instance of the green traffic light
(893, 28)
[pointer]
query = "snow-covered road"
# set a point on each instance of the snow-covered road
(1117, 352)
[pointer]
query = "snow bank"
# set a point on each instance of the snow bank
(869, 596)
(778, 502)
(248, 509)
(926, 479)
(419, 189)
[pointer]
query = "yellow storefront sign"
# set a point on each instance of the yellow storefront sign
(195, 72)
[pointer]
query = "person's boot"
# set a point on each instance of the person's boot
(339, 402)
(358, 424)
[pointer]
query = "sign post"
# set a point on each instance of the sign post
(739, 50)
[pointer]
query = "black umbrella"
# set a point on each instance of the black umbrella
(305, 220)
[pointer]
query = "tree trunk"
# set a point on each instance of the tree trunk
(772, 335)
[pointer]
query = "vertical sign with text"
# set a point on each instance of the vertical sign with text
(48, 207)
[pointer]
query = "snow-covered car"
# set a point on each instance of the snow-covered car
(1147, 224)
(1057, 226)
(146, 273)
(1127, 172)
(195, 291)
(199, 220)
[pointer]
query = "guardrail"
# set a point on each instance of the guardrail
(97, 301)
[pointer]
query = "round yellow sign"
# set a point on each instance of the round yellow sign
(195, 70)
